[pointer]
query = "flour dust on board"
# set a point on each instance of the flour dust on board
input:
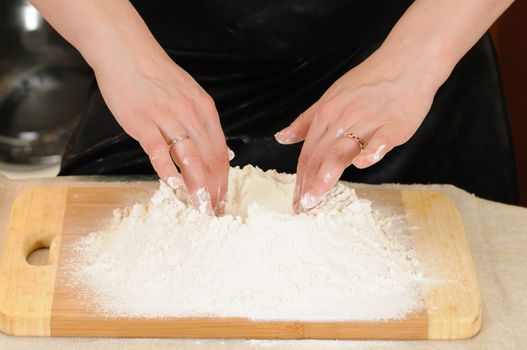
(260, 261)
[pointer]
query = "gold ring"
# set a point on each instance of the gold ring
(178, 139)
(355, 138)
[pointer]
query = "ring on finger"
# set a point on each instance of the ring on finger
(178, 139)
(355, 138)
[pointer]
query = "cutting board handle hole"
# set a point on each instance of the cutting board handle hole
(38, 257)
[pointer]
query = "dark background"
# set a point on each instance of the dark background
(510, 39)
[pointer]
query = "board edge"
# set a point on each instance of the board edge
(25, 309)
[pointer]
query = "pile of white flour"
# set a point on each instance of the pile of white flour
(165, 259)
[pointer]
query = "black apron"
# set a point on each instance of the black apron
(265, 62)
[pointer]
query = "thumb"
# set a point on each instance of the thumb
(298, 129)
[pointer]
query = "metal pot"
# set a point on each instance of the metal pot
(43, 85)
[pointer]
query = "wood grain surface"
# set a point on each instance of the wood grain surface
(37, 300)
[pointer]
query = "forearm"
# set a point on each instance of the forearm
(103, 31)
(432, 36)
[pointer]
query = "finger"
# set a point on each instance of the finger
(298, 129)
(192, 165)
(339, 157)
(318, 142)
(187, 157)
(217, 165)
(337, 153)
(311, 157)
(156, 148)
(383, 140)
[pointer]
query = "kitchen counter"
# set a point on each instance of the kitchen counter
(497, 234)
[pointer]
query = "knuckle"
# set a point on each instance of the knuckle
(394, 135)
(338, 152)
(306, 116)
(199, 97)
(185, 106)
(152, 147)
(194, 90)
(162, 165)
(348, 111)
(218, 161)
(162, 106)
(319, 123)
(190, 157)
(138, 128)
(302, 118)
(134, 132)
(402, 136)
(393, 139)
(327, 109)
(313, 162)
(207, 101)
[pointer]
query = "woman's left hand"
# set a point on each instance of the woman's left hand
(382, 101)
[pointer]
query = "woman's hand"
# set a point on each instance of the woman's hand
(155, 101)
(379, 101)
(384, 100)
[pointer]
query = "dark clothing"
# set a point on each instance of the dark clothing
(264, 67)
(270, 29)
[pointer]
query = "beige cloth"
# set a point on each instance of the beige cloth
(497, 234)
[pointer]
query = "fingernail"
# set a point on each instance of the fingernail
(296, 193)
(296, 208)
(230, 153)
(202, 201)
(220, 207)
(377, 155)
(286, 138)
(309, 201)
(174, 182)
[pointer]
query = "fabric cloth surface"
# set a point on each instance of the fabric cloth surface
(497, 234)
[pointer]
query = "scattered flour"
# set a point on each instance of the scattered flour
(166, 259)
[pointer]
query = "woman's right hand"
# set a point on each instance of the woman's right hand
(155, 101)
(152, 98)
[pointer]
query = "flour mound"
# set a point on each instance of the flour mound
(260, 261)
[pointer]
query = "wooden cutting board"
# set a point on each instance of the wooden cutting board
(36, 300)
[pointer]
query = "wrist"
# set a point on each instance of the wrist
(107, 47)
(429, 63)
